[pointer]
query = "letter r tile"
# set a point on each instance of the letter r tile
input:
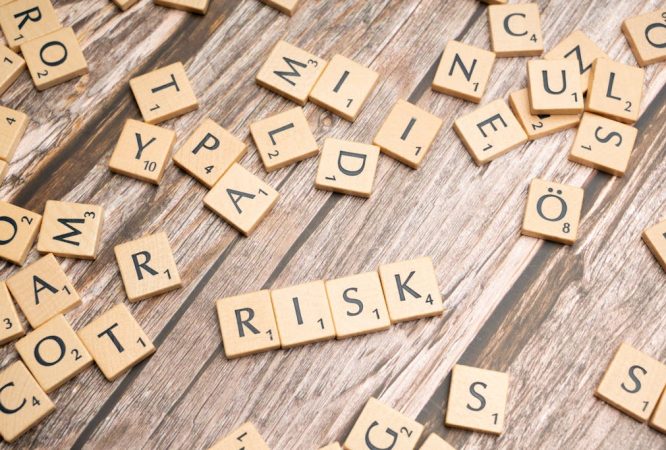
(25, 20)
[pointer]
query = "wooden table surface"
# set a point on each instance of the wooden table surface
(551, 315)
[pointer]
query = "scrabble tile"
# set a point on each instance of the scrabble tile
(658, 419)
(4, 168)
(490, 131)
(245, 437)
(142, 151)
(477, 399)
(291, 72)
(11, 66)
(241, 199)
(24, 403)
(379, 426)
(12, 127)
(164, 93)
(333, 446)
(302, 314)
(124, 5)
(10, 325)
(632, 383)
(515, 30)
(195, 6)
(54, 58)
(283, 139)
(248, 324)
(554, 86)
(645, 34)
(344, 87)
(435, 442)
(285, 6)
(464, 71)
(615, 90)
(209, 152)
(347, 167)
(147, 267)
(53, 353)
(357, 304)
(71, 230)
(116, 341)
(411, 289)
(538, 125)
(25, 20)
(42, 290)
(552, 211)
(655, 238)
(603, 144)
(408, 133)
(579, 47)
(18, 228)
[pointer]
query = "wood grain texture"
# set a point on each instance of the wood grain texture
(550, 315)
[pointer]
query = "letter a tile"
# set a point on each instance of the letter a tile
(11, 66)
(12, 127)
(645, 34)
(245, 437)
(10, 325)
(655, 238)
(615, 90)
(538, 125)
(515, 30)
(18, 229)
(25, 20)
(71, 230)
(464, 71)
(554, 86)
(578, 47)
(435, 442)
(347, 167)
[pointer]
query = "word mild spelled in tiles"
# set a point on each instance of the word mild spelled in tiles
(20, 227)
(464, 71)
(347, 167)
(655, 238)
(244, 437)
(71, 229)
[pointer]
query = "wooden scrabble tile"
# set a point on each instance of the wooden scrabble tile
(245, 437)
(408, 133)
(54, 58)
(71, 230)
(435, 442)
(10, 325)
(248, 324)
(632, 383)
(164, 93)
(116, 341)
(603, 144)
(11, 66)
(142, 151)
(645, 34)
(658, 419)
(283, 139)
(344, 87)
(379, 426)
(615, 90)
(477, 399)
(332, 446)
(124, 5)
(579, 47)
(25, 20)
(195, 6)
(42, 290)
(209, 152)
(357, 305)
(655, 238)
(12, 127)
(554, 86)
(4, 168)
(284, 6)
(18, 228)
(538, 125)
(24, 403)
(515, 30)
(291, 72)
(302, 314)
(241, 199)
(147, 267)
(464, 71)
(54, 353)
(552, 211)
(411, 289)
(347, 167)
(490, 131)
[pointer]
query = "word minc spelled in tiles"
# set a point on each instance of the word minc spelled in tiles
(24, 403)
(538, 125)
(164, 93)
(71, 230)
(633, 383)
(18, 229)
(10, 325)
(577, 45)
(658, 419)
(515, 30)
(195, 6)
(435, 442)
(615, 90)
(408, 133)
(464, 71)
(284, 6)
(477, 399)
(603, 144)
(142, 151)
(347, 167)
(25, 20)
(12, 127)
(11, 66)
(283, 139)
(490, 131)
(553, 211)
(291, 72)
(116, 341)
(147, 267)
(554, 86)
(380, 426)
(245, 437)
(241, 199)
(343, 87)
(42, 290)
(124, 5)
(645, 34)
(53, 353)
(655, 238)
